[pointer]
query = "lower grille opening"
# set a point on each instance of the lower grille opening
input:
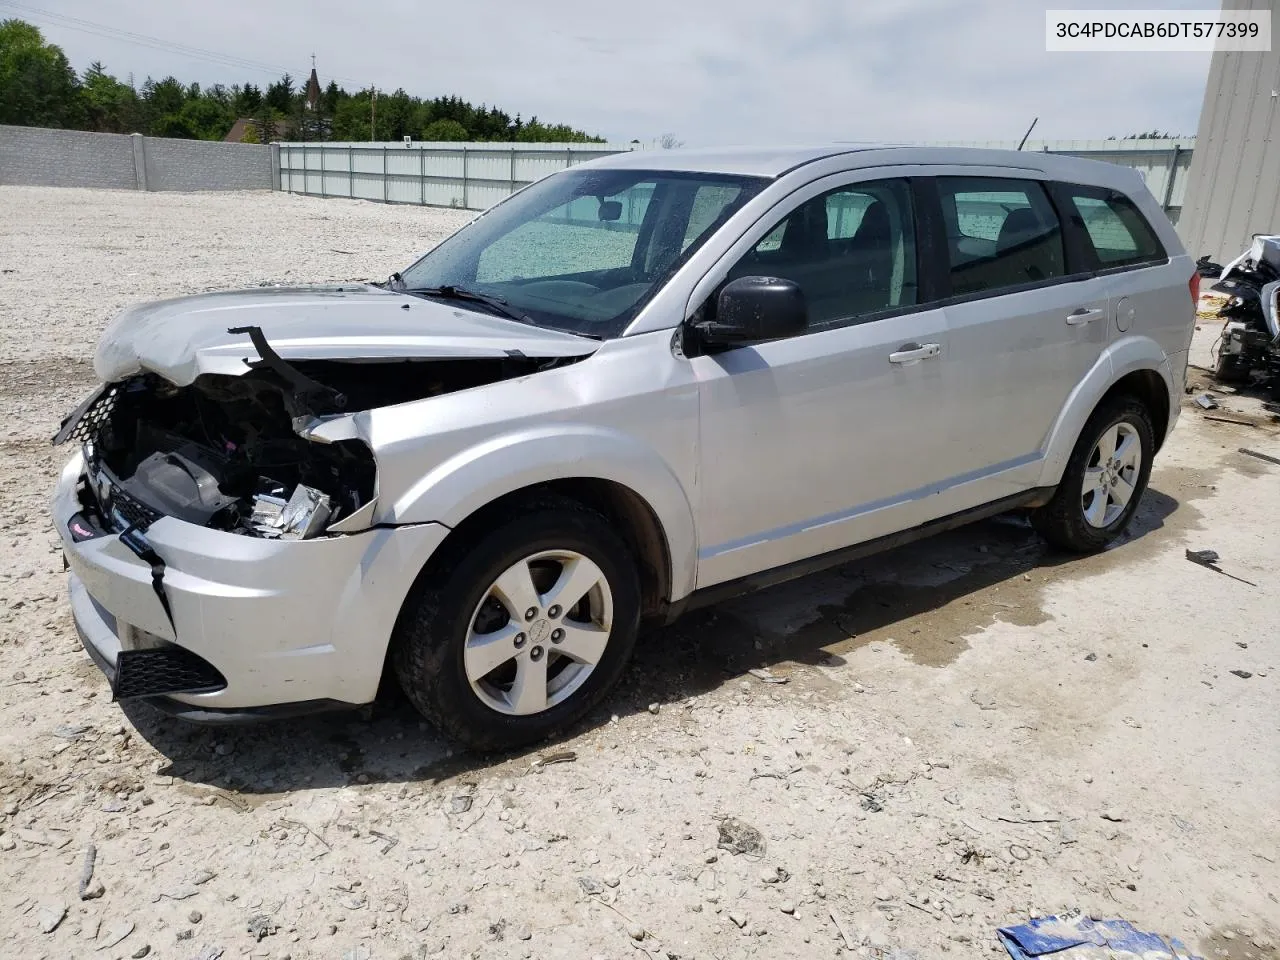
(164, 670)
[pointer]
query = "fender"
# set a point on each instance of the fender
(1120, 358)
(462, 484)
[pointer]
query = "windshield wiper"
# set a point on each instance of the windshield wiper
(497, 304)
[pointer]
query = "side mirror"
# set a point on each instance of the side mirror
(610, 210)
(752, 309)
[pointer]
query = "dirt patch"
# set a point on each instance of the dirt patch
(1241, 943)
(25, 378)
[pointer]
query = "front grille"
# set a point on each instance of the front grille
(86, 425)
(132, 511)
(164, 670)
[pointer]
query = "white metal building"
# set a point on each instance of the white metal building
(1233, 190)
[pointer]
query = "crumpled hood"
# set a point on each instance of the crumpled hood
(183, 338)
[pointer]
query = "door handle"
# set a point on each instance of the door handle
(1084, 316)
(914, 352)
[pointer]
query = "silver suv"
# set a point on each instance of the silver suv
(645, 383)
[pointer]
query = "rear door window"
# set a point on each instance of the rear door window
(1118, 235)
(1000, 233)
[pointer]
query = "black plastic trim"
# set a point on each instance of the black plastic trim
(933, 280)
(215, 716)
(156, 671)
(719, 592)
(246, 715)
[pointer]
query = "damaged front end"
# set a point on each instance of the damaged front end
(222, 453)
(238, 453)
(1249, 348)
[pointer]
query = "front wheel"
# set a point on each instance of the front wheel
(1104, 480)
(528, 630)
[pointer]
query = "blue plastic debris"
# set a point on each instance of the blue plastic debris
(1076, 937)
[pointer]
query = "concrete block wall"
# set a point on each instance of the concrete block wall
(206, 165)
(72, 158)
(37, 157)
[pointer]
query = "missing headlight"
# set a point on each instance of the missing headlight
(302, 516)
(222, 453)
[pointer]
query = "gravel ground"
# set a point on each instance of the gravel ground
(969, 731)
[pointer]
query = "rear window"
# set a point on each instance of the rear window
(1119, 235)
(1001, 234)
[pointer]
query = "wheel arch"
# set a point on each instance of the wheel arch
(616, 473)
(1149, 387)
(630, 514)
(1136, 366)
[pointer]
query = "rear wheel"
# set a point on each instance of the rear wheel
(1104, 479)
(526, 632)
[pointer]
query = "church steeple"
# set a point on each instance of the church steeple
(313, 87)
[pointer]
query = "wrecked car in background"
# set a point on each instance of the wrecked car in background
(1249, 348)
(645, 383)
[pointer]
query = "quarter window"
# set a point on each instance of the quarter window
(1000, 234)
(851, 250)
(1118, 233)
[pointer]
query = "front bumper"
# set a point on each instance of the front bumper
(284, 622)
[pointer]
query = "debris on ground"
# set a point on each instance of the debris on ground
(767, 676)
(1209, 559)
(50, 916)
(1260, 456)
(564, 756)
(1076, 937)
(90, 889)
(740, 838)
(261, 926)
(115, 933)
(1207, 402)
(849, 942)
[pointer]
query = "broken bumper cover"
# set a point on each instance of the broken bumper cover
(281, 622)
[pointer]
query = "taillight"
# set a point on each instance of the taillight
(1194, 286)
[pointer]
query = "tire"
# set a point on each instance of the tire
(1231, 369)
(1073, 519)
(459, 621)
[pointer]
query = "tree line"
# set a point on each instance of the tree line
(39, 88)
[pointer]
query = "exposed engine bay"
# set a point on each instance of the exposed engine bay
(1249, 348)
(226, 453)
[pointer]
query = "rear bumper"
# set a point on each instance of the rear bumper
(1178, 386)
(287, 624)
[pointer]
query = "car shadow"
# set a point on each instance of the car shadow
(815, 620)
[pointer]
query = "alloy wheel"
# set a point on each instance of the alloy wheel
(539, 632)
(1111, 475)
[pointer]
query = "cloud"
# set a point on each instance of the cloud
(711, 71)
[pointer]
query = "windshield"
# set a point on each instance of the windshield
(583, 251)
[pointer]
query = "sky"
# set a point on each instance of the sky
(711, 72)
